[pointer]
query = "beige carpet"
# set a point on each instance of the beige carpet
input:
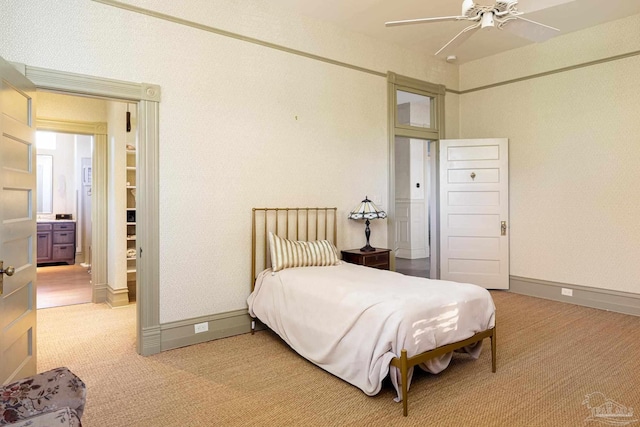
(550, 356)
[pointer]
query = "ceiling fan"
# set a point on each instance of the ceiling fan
(504, 14)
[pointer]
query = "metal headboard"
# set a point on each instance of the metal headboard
(290, 223)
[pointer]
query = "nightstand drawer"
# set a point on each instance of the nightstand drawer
(376, 259)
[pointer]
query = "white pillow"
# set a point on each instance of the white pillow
(296, 253)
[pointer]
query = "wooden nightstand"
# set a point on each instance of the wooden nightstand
(376, 259)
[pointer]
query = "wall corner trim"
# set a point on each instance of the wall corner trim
(604, 299)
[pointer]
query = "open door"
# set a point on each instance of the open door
(474, 211)
(17, 225)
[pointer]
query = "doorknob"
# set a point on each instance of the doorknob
(8, 271)
(503, 228)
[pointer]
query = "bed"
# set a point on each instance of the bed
(358, 323)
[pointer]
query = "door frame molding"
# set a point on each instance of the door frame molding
(395, 82)
(147, 97)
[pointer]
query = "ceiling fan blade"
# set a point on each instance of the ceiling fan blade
(533, 6)
(458, 40)
(423, 20)
(530, 30)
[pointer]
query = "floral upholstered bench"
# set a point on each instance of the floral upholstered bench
(54, 397)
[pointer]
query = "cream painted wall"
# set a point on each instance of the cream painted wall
(574, 154)
(241, 125)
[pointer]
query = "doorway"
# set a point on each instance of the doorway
(147, 96)
(413, 200)
(63, 199)
(416, 124)
(94, 185)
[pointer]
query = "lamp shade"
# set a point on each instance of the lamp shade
(367, 210)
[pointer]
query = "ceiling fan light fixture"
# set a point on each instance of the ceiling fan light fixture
(487, 20)
(503, 14)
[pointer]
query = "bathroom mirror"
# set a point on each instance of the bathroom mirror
(44, 190)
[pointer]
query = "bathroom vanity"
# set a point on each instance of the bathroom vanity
(56, 242)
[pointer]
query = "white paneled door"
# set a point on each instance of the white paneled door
(474, 211)
(17, 225)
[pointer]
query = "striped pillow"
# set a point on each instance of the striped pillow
(294, 253)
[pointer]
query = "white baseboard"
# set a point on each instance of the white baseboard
(604, 299)
(412, 253)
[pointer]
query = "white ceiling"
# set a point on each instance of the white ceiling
(368, 17)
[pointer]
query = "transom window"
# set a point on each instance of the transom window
(414, 110)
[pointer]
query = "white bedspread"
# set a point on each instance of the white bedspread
(352, 320)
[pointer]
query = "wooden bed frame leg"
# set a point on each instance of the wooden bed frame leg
(253, 326)
(404, 373)
(493, 350)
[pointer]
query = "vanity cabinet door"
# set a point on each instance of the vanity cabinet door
(45, 242)
(44, 246)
